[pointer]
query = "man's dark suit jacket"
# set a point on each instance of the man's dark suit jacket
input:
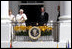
(58, 16)
(43, 19)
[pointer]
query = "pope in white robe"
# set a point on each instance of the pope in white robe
(21, 17)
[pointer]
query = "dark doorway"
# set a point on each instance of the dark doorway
(32, 12)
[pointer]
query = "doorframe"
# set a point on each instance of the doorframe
(19, 3)
(31, 3)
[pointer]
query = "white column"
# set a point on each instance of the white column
(65, 7)
(4, 9)
(5, 24)
(65, 10)
(65, 21)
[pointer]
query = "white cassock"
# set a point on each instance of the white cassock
(19, 16)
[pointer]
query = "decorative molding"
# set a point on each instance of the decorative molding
(31, 3)
(65, 17)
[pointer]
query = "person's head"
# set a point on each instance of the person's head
(42, 9)
(21, 11)
(58, 8)
(10, 12)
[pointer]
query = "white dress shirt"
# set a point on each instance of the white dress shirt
(42, 13)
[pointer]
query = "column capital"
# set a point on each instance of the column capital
(65, 17)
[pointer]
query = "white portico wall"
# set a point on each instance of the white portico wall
(13, 5)
(65, 21)
(65, 32)
(51, 9)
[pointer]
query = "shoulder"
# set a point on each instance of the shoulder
(12, 15)
(18, 15)
(46, 13)
(23, 14)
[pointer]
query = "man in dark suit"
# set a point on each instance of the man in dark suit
(43, 18)
(56, 34)
(58, 13)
